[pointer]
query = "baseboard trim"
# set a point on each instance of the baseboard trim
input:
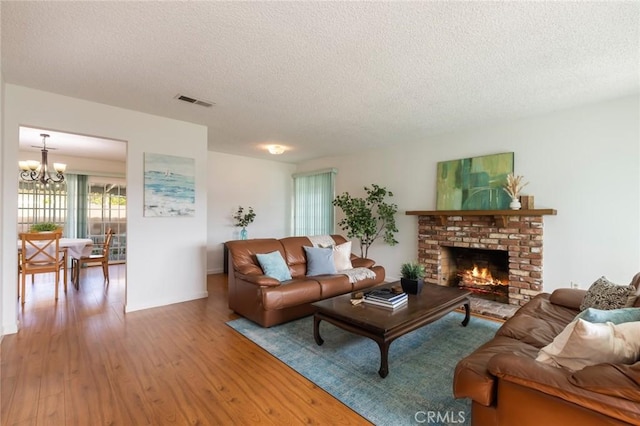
(165, 302)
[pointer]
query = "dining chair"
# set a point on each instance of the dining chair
(101, 257)
(40, 253)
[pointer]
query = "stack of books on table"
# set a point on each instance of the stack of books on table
(385, 299)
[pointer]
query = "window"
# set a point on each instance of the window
(85, 206)
(41, 203)
(107, 208)
(313, 211)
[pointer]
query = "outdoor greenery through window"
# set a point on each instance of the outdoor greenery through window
(313, 211)
(107, 208)
(41, 203)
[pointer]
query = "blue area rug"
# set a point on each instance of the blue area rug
(418, 389)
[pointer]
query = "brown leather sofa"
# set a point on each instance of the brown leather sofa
(508, 387)
(267, 301)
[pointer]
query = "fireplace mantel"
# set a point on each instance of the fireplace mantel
(501, 217)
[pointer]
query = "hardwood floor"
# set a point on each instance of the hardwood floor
(82, 361)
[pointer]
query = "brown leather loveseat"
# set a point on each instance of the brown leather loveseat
(508, 386)
(267, 301)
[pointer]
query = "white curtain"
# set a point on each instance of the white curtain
(313, 211)
(71, 225)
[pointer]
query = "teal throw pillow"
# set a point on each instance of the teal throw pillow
(273, 265)
(616, 316)
(320, 261)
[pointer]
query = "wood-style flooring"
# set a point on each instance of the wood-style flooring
(83, 361)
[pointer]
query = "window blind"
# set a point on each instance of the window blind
(313, 211)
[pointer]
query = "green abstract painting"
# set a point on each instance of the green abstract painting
(474, 183)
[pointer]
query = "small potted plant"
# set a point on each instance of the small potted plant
(412, 274)
(44, 227)
(243, 220)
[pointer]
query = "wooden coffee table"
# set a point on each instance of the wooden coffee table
(385, 325)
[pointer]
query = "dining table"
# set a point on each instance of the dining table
(76, 248)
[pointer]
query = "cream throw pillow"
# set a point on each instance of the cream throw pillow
(342, 256)
(582, 343)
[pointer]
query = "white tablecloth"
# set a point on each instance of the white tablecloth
(76, 247)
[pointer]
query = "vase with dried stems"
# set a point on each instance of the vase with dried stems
(513, 186)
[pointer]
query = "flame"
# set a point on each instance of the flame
(480, 276)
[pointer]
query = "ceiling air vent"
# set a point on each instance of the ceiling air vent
(194, 101)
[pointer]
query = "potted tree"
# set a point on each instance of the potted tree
(412, 277)
(368, 218)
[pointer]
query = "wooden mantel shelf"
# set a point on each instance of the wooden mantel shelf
(500, 216)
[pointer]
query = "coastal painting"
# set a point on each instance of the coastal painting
(474, 183)
(169, 185)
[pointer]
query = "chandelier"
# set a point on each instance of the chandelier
(34, 171)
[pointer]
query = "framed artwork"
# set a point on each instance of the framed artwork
(169, 185)
(474, 183)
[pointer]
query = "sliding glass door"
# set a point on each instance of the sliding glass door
(107, 208)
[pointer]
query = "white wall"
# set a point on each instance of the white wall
(241, 181)
(584, 162)
(2, 197)
(166, 257)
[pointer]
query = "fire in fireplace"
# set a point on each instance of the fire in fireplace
(485, 273)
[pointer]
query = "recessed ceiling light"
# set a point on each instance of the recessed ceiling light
(275, 149)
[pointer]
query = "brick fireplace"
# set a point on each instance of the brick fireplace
(518, 233)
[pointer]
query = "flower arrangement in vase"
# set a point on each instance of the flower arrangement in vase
(513, 186)
(243, 220)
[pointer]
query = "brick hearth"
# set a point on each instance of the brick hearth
(519, 235)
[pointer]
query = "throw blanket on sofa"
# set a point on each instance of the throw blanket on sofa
(322, 240)
(358, 274)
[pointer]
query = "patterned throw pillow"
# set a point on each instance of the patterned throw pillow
(604, 294)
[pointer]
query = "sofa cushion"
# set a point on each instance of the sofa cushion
(538, 322)
(243, 253)
(333, 285)
(319, 261)
(616, 316)
(583, 343)
(603, 294)
(622, 381)
(274, 266)
(294, 255)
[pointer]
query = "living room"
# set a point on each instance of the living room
(580, 158)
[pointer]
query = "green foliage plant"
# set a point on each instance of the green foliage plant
(412, 271)
(43, 227)
(368, 218)
(244, 219)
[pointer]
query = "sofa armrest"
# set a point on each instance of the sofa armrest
(362, 262)
(555, 382)
(259, 280)
(568, 297)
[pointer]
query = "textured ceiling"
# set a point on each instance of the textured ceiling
(326, 78)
